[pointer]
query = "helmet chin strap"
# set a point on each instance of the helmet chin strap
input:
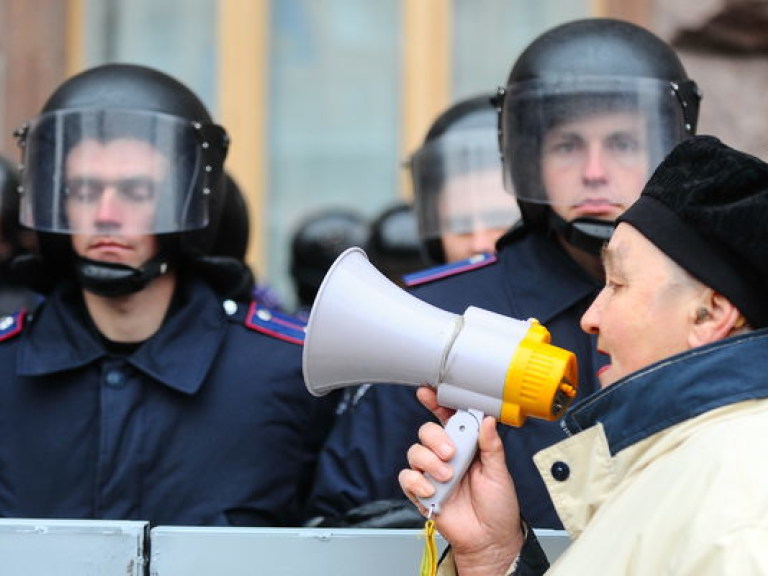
(111, 280)
(588, 234)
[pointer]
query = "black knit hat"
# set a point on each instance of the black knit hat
(706, 207)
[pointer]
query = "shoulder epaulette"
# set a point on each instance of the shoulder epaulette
(12, 324)
(274, 323)
(451, 269)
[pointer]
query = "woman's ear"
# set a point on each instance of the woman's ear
(714, 318)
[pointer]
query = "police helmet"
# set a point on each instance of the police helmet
(235, 224)
(393, 245)
(580, 69)
(11, 232)
(457, 176)
(317, 241)
(127, 109)
(225, 266)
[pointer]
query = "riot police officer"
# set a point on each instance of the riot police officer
(145, 386)
(232, 241)
(14, 241)
(393, 244)
(588, 110)
(318, 239)
(459, 196)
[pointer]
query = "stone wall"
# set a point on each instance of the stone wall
(732, 76)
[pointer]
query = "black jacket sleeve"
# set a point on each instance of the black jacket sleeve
(533, 561)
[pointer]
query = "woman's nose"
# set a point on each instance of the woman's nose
(590, 320)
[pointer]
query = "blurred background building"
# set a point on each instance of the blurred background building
(325, 98)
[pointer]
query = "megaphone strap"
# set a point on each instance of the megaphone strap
(445, 270)
(429, 556)
(274, 323)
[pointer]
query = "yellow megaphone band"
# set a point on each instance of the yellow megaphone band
(541, 380)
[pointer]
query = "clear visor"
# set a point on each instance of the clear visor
(113, 172)
(458, 185)
(587, 140)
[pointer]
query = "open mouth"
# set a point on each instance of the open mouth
(607, 356)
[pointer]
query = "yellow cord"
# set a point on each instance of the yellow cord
(429, 558)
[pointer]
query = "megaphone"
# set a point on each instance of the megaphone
(363, 328)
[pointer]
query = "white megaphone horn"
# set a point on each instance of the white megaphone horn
(365, 329)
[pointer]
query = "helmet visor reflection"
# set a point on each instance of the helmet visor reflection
(113, 172)
(458, 185)
(610, 130)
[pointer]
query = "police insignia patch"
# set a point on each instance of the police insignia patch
(12, 324)
(276, 324)
(451, 269)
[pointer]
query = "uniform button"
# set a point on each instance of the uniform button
(115, 379)
(264, 315)
(560, 471)
(230, 307)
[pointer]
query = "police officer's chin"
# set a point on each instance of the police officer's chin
(586, 234)
(583, 239)
(113, 280)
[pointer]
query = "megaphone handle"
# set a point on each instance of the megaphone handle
(463, 428)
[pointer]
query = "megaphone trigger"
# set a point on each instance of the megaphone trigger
(463, 428)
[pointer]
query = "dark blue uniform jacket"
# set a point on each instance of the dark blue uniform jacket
(206, 423)
(531, 277)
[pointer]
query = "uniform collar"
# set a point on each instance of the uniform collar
(676, 389)
(540, 273)
(179, 355)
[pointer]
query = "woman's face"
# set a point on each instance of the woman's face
(644, 312)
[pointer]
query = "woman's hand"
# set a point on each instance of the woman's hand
(481, 519)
